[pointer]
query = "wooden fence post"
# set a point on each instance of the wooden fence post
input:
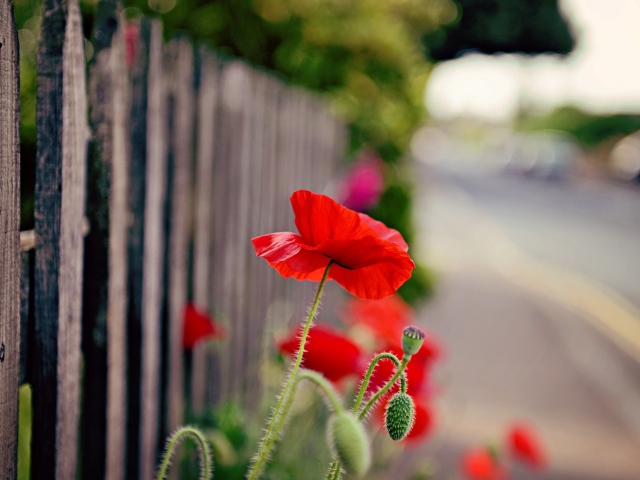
(146, 249)
(179, 213)
(203, 270)
(10, 265)
(59, 209)
(105, 272)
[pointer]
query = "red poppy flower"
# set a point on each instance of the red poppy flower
(480, 464)
(370, 260)
(326, 351)
(387, 318)
(524, 445)
(198, 326)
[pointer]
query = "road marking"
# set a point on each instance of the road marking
(468, 236)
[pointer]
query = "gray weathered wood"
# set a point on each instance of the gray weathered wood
(9, 239)
(59, 209)
(146, 249)
(104, 317)
(204, 208)
(181, 89)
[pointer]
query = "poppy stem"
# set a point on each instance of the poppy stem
(205, 452)
(334, 471)
(279, 414)
(367, 377)
(325, 387)
(372, 401)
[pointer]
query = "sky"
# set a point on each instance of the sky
(601, 75)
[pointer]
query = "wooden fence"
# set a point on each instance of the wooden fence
(180, 159)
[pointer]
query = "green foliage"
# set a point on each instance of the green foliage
(590, 130)
(231, 439)
(365, 55)
(494, 26)
(419, 286)
(25, 421)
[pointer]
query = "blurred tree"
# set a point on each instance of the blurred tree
(501, 26)
(589, 129)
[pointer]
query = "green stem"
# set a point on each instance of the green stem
(372, 401)
(174, 440)
(271, 435)
(334, 471)
(325, 387)
(367, 377)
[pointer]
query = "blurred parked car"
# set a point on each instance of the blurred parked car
(548, 154)
(624, 158)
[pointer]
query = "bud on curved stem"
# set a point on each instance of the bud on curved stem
(399, 416)
(349, 443)
(385, 389)
(367, 377)
(412, 340)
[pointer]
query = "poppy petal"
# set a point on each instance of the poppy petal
(327, 351)
(197, 326)
(384, 232)
(525, 446)
(375, 281)
(277, 247)
(480, 464)
(386, 318)
(422, 423)
(319, 218)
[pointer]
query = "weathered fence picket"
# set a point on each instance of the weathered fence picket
(180, 72)
(59, 209)
(104, 317)
(189, 158)
(203, 273)
(10, 265)
(146, 248)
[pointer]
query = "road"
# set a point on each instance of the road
(538, 307)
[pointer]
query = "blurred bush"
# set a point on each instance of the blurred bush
(590, 130)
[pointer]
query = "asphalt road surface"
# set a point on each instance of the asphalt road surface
(538, 308)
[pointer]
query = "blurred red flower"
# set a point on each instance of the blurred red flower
(197, 325)
(370, 260)
(480, 464)
(363, 185)
(423, 422)
(386, 318)
(327, 351)
(131, 38)
(524, 445)
(416, 372)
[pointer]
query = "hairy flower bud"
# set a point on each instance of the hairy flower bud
(412, 339)
(348, 441)
(399, 416)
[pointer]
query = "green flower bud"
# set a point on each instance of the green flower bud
(348, 441)
(412, 338)
(399, 416)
